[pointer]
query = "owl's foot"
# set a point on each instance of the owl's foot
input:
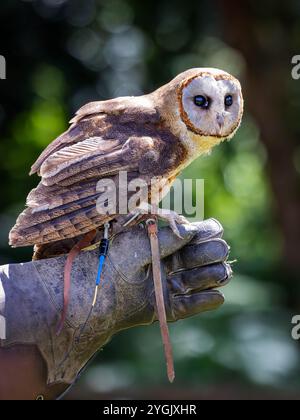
(145, 212)
(173, 219)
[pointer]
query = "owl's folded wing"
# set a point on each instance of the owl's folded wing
(64, 203)
(57, 211)
(93, 157)
(91, 120)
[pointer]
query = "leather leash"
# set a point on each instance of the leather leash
(159, 296)
(83, 243)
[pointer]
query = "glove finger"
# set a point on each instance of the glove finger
(207, 229)
(197, 279)
(189, 305)
(191, 256)
(191, 233)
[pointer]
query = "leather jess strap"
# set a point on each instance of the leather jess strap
(83, 243)
(159, 296)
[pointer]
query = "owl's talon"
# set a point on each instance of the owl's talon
(173, 219)
(175, 230)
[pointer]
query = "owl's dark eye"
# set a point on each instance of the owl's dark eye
(228, 100)
(201, 101)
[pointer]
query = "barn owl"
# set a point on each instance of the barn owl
(154, 135)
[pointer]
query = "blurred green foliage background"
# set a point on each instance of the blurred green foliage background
(63, 53)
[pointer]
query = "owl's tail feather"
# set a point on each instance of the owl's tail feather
(63, 222)
(63, 227)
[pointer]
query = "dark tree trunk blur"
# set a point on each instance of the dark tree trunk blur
(266, 96)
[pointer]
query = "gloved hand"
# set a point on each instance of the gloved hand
(192, 268)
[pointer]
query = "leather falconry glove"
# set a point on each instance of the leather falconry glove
(31, 294)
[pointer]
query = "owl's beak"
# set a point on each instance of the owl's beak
(220, 120)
